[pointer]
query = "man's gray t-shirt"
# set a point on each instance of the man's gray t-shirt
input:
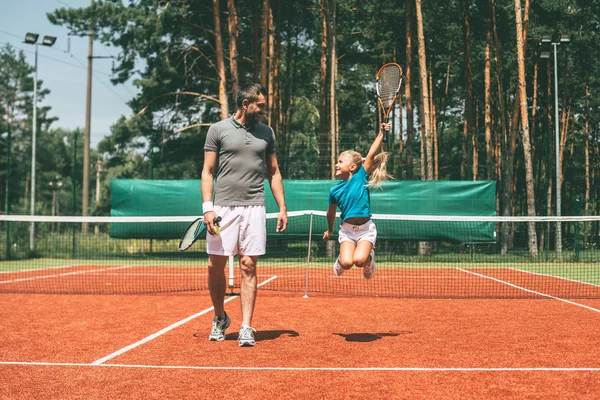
(241, 153)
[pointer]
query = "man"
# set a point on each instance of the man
(244, 148)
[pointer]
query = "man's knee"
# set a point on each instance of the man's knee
(248, 265)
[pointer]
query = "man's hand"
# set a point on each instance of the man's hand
(282, 221)
(209, 221)
(326, 235)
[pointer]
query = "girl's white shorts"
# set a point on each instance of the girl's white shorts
(357, 233)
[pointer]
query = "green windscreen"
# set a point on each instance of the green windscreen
(445, 198)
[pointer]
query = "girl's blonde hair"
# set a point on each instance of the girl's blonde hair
(379, 172)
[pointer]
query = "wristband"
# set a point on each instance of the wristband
(207, 206)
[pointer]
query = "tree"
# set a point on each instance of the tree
(533, 250)
(220, 62)
(324, 148)
(16, 109)
(468, 123)
(426, 137)
(318, 61)
(408, 91)
(232, 25)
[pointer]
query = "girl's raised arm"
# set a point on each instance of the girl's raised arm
(370, 158)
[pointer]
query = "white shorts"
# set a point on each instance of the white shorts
(358, 233)
(247, 235)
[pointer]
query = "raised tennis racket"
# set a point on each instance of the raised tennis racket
(389, 79)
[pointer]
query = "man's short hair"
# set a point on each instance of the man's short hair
(250, 92)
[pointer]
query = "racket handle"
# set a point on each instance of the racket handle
(217, 227)
(385, 133)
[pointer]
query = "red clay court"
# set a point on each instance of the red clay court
(326, 346)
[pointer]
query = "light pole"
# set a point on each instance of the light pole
(7, 205)
(55, 185)
(554, 42)
(31, 38)
(7, 198)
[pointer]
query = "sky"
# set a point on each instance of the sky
(65, 73)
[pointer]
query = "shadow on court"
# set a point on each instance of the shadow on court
(368, 337)
(265, 335)
(259, 335)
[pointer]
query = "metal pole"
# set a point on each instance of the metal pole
(557, 144)
(152, 171)
(74, 188)
(548, 206)
(98, 176)
(86, 139)
(152, 156)
(33, 146)
(7, 198)
(310, 156)
(7, 208)
(308, 257)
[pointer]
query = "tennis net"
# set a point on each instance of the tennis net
(416, 256)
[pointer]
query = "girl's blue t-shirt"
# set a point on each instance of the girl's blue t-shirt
(352, 196)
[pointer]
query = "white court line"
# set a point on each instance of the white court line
(167, 329)
(33, 278)
(377, 278)
(530, 291)
(142, 274)
(230, 368)
(554, 276)
(43, 268)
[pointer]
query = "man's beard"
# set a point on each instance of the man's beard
(254, 118)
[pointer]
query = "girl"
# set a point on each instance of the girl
(357, 233)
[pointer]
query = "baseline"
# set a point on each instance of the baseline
(238, 368)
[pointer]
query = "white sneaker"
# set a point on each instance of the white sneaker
(337, 268)
(246, 336)
(369, 270)
(219, 325)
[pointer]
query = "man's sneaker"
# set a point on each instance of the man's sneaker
(218, 327)
(369, 270)
(246, 336)
(337, 268)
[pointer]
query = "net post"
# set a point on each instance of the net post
(230, 280)
(576, 230)
(308, 256)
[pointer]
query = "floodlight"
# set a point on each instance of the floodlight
(31, 38)
(565, 38)
(545, 54)
(546, 39)
(49, 40)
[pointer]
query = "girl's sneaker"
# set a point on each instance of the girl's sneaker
(369, 270)
(337, 268)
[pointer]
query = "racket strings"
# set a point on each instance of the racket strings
(388, 84)
(190, 234)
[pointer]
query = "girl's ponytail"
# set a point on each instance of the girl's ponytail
(379, 172)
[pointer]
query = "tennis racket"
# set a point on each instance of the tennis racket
(197, 230)
(389, 79)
